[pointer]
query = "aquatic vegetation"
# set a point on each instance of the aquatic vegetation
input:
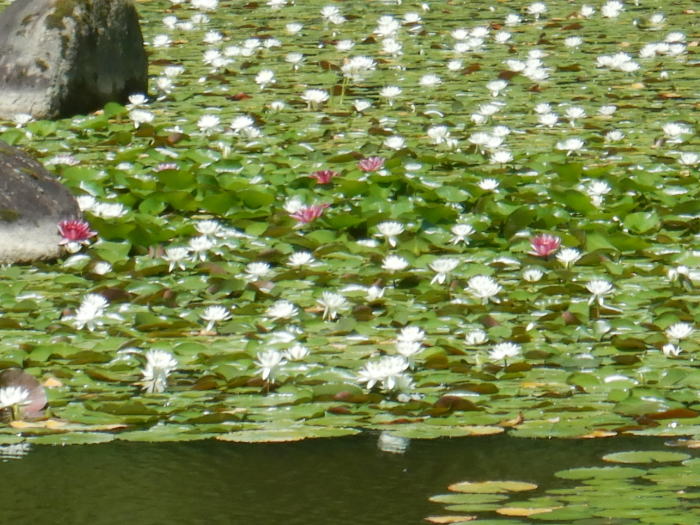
(331, 219)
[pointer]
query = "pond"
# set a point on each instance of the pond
(334, 219)
(340, 481)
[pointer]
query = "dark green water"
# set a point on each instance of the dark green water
(335, 481)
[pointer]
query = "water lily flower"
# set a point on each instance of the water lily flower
(568, 256)
(332, 14)
(358, 68)
(300, 259)
(411, 334)
(209, 227)
(176, 257)
(108, 210)
(208, 124)
(264, 78)
(688, 158)
(332, 304)
(361, 104)
(282, 310)
(75, 233)
(296, 352)
(269, 363)
(430, 81)
(611, 9)
(374, 293)
(390, 93)
(256, 271)
(89, 312)
(483, 287)
(199, 246)
(390, 230)
(395, 142)
(394, 263)
(442, 267)
(324, 176)
(14, 398)
(215, 314)
(544, 245)
(501, 156)
(141, 116)
(678, 331)
(159, 365)
(386, 371)
(532, 275)
(496, 86)
(573, 113)
(308, 214)
(461, 233)
(476, 337)
(408, 349)
(537, 9)
(571, 146)
(371, 164)
(315, 97)
(671, 350)
(293, 27)
(504, 351)
(599, 288)
(488, 184)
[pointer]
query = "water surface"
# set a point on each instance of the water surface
(339, 481)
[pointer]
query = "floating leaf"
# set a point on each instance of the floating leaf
(645, 456)
(491, 487)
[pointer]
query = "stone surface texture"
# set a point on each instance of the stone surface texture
(64, 57)
(32, 203)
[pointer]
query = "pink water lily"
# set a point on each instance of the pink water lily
(544, 245)
(309, 214)
(324, 176)
(75, 230)
(370, 164)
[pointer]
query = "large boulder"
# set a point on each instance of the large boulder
(64, 57)
(32, 203)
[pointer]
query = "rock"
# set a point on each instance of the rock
(32, 203)
(64, 57)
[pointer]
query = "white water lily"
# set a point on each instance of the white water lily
(483, 287)
(301, 259)
(89, 312)
(394, 263)
(442, 267)
(282, 310)
(296, 352)
(269, 363)
(568, 256)
(599, 288)
(678, 331)
(461, 233)
(332, 304)
(476, 337)
(388, 371)
(504, 351)
(176, 257)
(14, 396)
(215, 314)
(390, 230)
(159, 365)
(411, 334)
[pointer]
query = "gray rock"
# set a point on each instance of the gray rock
(64, 57)
(32, 203)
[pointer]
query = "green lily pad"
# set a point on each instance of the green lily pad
(646, 456)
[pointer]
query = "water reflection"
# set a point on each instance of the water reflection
(339, 481)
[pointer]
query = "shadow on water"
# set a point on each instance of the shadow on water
(338, 481)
